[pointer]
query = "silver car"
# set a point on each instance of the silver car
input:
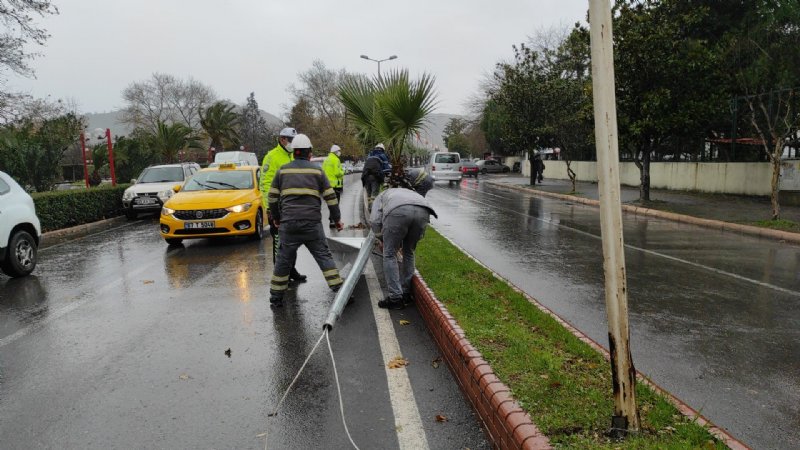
(154, 187)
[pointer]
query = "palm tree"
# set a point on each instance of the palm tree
(389, 109)
(221, 125)
(169, 140)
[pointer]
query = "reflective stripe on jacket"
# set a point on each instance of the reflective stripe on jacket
(273, 160)
(333, 169)
(298, 190)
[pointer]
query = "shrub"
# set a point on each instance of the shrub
(62, 209)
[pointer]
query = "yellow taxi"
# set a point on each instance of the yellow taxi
(219, 201)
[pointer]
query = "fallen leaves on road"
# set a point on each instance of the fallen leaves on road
(358, 226)
(405, 322)
(441, 418)
(435, 363)
(185, 377)
(228, 353)
(397, 362)
(148, 281)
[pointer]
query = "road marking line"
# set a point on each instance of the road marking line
(408, 424)
(633, 247)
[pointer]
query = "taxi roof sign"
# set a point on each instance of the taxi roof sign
(227, 165)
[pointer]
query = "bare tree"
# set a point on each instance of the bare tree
(19, 29)
(165, 98)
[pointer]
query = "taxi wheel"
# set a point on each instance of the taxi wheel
(258, 234)
(173, 241)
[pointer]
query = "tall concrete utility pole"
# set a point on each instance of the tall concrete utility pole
(626, 416)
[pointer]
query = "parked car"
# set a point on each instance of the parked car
(20, 230)
(446, 166)
(219, 201)
(154, 187)
(492, 166)
(237, 157)
(469, 169)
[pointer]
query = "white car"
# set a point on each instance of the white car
(20, 230)
(154, 187)
(445, 166)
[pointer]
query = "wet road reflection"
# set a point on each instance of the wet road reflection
(119, 341)
(715, 317)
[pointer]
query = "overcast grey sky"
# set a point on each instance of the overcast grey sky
(98, 47)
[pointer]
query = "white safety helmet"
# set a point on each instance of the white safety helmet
(301, 141)
(336, 149)
(288, 132)
(380, 146)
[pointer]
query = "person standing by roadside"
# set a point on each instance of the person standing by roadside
(538, 168)
(333, 170)
(399, 217)
(295, 198)
(274, 160)
(372, 175)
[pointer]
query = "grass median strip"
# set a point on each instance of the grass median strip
(564, 384)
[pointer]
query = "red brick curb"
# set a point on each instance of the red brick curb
(421, 289)
(507, 425)
(683, 218)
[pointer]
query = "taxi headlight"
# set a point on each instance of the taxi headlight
(165, 195)
(239, 208)
(167, 211)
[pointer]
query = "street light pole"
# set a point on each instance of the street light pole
(111, 157)
(379, 61)
(83, 154)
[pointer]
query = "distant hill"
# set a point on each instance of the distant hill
(435, 127)
(112, 120)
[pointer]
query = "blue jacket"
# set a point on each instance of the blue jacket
(386, 166)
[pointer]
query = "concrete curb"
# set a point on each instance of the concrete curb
(506, 423)
(81, 230)
(708, 223)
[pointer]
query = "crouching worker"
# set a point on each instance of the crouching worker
(399, 217)
(295, 202)
(420, 180)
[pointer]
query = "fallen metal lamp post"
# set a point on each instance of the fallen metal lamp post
(343, 295)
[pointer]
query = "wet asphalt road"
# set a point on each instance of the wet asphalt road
(118, 341)
(714, 316)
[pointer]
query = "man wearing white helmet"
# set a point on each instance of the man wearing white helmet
(295, 199)
(274, 160)
(333, 169)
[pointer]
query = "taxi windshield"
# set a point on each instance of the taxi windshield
(220, 180)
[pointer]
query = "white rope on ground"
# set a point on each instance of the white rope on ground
(339, 390)
(275, 413)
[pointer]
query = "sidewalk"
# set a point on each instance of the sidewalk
(740, 211)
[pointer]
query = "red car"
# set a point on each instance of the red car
(469, 169)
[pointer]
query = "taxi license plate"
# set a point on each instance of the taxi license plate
(198, 225)
(145, 201)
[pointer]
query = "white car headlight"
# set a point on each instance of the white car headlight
(167, 211)
(128, 195)
(239, 208)
(165, 195)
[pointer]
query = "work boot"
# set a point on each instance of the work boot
(391, 303)
(336, 287)
(297, 277)
(275, 301)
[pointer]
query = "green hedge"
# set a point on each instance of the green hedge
(62, 209)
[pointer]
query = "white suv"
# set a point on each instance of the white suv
(154, 187)
(20, 231)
